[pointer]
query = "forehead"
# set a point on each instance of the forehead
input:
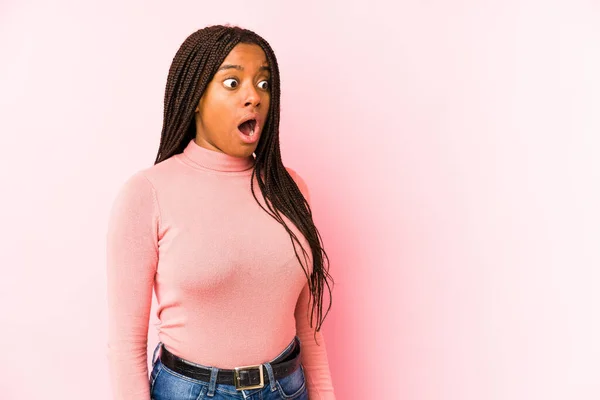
(246, 54)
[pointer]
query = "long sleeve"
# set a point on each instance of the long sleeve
(314, 354)
(132, 257)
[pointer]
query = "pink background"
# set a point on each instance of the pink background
(452, 153)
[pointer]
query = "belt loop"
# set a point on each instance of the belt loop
(213, 381)
(155, 350)
(271, 376)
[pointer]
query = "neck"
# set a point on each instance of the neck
(216, 160)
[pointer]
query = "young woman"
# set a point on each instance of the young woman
(238, 274)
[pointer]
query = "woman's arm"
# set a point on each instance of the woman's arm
(314, 356)
(132, 257)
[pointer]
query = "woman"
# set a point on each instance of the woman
(234, 295)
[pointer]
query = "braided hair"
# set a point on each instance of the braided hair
(192, 69)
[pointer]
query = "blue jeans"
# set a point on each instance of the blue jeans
(166, 384)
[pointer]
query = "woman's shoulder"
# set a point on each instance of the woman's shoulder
(147, 179)
(299, 181)
(294, 174)
(154, 174)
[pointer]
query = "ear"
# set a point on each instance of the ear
(197, 110)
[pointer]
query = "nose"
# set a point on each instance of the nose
(251, 97)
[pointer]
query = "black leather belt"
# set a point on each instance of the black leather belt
(243, 378)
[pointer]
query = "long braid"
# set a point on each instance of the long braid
(192, 69)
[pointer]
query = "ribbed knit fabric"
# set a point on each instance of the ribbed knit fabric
(230, 290)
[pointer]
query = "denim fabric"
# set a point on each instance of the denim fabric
(166, 384)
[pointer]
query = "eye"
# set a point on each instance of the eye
(265, 85)
(233, 83)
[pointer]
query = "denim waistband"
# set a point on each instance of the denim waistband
(281, 355)
(214, 370)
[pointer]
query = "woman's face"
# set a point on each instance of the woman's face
(239, 91)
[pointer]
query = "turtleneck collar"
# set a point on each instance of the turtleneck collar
(216, 160)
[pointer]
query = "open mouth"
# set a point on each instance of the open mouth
(247, 127)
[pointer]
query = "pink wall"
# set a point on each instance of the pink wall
(451, 149)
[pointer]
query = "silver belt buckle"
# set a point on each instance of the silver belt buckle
(236, 375)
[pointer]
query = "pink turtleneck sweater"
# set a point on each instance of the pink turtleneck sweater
(230, 290)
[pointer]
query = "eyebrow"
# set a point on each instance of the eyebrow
(240, 68)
